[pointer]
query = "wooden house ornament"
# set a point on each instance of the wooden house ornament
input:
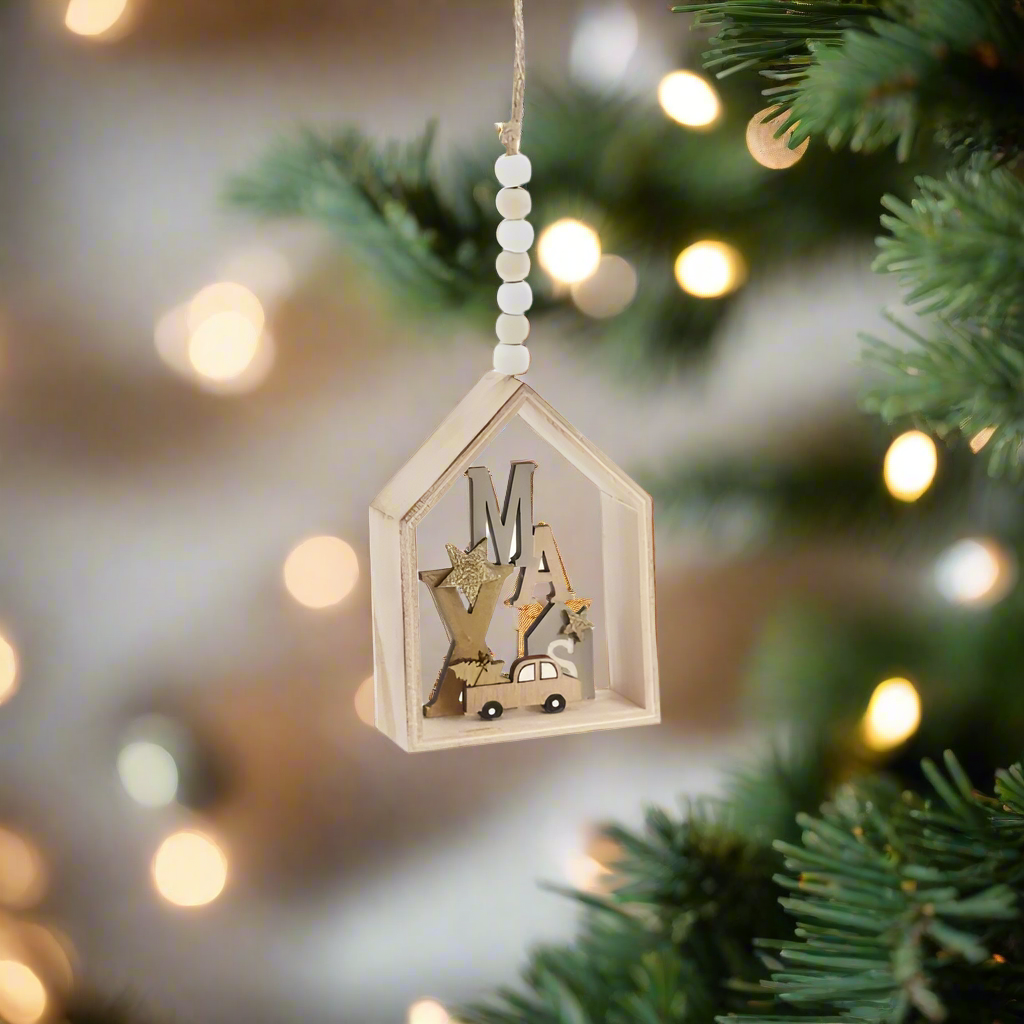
(539, 680)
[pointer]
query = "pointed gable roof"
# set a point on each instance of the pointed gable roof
(471, 426)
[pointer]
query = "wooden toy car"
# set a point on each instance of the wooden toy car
(533, 680)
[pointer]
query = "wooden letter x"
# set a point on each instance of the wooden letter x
(467, 631)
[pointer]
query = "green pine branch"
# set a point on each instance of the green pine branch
(425, 227)
(905, 908)
(692, 894)
(956, 383)
(769, 36)
(902, 904)
(384, 203)
(906, 70)
(958, 246)
(949, 70)
(863, 76)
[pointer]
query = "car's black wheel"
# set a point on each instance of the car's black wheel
(491, 710)
(554, 704)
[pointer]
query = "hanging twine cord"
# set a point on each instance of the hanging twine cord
(511, 131)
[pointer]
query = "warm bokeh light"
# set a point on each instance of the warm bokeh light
(22, 871)
(603, 44)
(148, 773)
(189, 869)
(364, 701)
(608, 291)
(225, 297)
(910, 465)
(428, 1011)
(586, 873)
(893, 714)
(223, 345)
(981, 438)
(974, 572)
(8, 671)
(94, 17)
(569, 250)
(22, 994)
(605, 850)
(689, 99)
(710, 269)
(174, 345)
(321, 571)
(768, 151)
(593, 870)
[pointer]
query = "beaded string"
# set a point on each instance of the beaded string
(515, 233)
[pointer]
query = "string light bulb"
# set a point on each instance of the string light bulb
(586, 873)
(893, 714)
(910, 465)
(710, 269)
(769, 151)
(428, 1011)
(225, 297)
(689, 99)
(603, 44)
(569, 250)
(148, 773)
(321, 571)
(189, 869)
(981, 438)
(8, 671)
(608, 291)
(974, 572)
(227, 352)
(93, 17)
(223, 345)
(593, 870)
(22, 994)
(221, 337)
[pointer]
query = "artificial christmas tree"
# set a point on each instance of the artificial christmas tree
(899, 907)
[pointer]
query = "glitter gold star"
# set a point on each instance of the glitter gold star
(470, 571)
(578, 624)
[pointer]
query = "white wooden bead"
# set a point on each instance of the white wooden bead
(513, 203)
(512, 266)
(512, 169)
(512, 330)
(515, 235)
(511, 359)
(515, 298)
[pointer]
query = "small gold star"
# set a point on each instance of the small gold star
(578, 624)
(470, 570)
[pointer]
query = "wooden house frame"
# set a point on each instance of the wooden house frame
(627, 531)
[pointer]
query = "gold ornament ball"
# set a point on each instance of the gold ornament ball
(768, 151)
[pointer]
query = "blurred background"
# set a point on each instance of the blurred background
(198, 406)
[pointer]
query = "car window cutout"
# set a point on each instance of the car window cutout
(527, 673)
(548, 670)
